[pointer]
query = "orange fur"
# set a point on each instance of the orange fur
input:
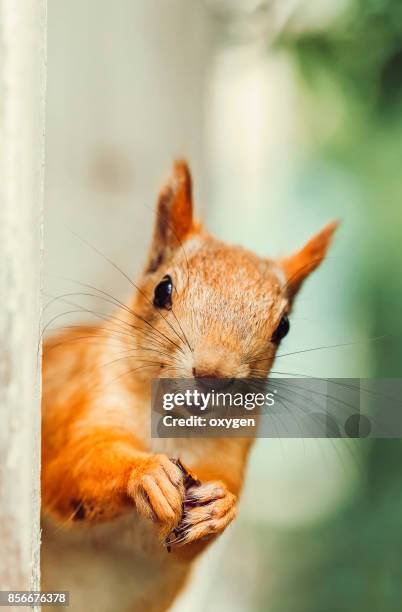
(102, 474)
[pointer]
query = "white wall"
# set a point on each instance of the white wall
(22, 85)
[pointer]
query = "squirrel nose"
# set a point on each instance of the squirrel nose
(214, 364)
(211, 380)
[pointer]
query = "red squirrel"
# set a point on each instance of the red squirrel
(111, 495)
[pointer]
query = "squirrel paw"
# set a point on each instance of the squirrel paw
(208, 509)
(157, 489)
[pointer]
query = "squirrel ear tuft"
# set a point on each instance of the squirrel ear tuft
(298, 266)
(174, 215)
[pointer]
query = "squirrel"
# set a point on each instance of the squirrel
(111, 495)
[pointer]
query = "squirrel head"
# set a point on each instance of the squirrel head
(208, 309)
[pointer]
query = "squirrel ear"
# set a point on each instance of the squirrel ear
(298, 266)
(174, 215)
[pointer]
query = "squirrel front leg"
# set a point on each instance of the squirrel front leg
(98, 476)
(210, 506)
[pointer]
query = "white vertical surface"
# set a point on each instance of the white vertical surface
(22, 92)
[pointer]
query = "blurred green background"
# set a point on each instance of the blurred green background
(353, 560)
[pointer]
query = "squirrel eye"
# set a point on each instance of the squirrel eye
(163, 293)
(281, 330)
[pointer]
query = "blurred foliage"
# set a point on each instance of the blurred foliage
(356, 67)
(353, 561)
(363, 51)
(353, 72)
